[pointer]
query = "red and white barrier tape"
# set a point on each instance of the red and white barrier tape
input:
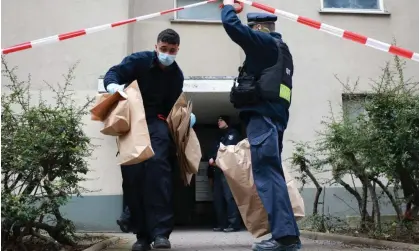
(338, 32)
(78, 33)
(299, 19)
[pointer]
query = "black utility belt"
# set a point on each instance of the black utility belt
(246, 91)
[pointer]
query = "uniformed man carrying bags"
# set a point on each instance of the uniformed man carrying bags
(262, 93)
(147, 186)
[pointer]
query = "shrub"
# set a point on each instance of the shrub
(44, 159)
(379, 147)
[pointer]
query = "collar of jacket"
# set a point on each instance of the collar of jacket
(276, 35)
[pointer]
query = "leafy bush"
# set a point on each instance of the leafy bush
(379, 147)
(44, 159)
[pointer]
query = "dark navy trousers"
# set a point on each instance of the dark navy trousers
(265, 137)
(225, 206)
(125, 215)
(148, 186)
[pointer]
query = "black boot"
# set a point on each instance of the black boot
(141, 245)
(231, 229)
(124, 221)
(272, 245)
(287, 243)
(161, 242)
(123, 225)
(298, 243)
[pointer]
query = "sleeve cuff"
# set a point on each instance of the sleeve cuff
(229, 7)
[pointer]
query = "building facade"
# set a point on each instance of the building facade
(209, 60)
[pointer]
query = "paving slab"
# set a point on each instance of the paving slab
(206, 240)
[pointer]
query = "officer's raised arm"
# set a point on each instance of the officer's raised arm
(242, 35)
(125, 72)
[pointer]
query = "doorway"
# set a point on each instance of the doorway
(194, 203)
(193, 206)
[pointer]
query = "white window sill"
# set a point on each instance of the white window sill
(353, 11)
(195, 21)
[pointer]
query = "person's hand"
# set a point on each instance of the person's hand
(228, 2)
(237, 8)
(193, 120)
(211, 162)
(112, 88)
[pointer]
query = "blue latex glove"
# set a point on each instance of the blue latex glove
(112, 88)
(193, 120)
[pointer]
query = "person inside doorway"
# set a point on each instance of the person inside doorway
(227, 214)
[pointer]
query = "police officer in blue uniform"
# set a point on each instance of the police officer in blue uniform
(148, 185)
(262, 93)
(228, 215)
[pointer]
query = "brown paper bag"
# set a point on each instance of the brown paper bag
(99, 98)
(187, 144)
(192, 156)
(183, 128)
(117, 122)
(176, 115)
(104, 104)
(235, 161)
(193, 152)
(135, 146)
(297, 201)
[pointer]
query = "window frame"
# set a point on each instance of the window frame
(177, 19)
(380, 10)
(358, 99)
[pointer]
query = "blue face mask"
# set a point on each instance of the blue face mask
(166, 59)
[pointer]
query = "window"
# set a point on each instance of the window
(206, 12)
(352, 5)
(352, 109)
(354, 105)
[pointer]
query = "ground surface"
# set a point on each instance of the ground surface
(205, 240)
(84, 241)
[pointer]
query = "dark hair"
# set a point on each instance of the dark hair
(169, 36)
(225, 118)
(269, 25)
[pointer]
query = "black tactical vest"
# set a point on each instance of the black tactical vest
(274, 84)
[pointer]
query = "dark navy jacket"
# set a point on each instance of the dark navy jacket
(230, 136)
(261, 52)
(159, 87)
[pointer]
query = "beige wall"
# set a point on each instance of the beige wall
(205, 51)
(24, 20)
